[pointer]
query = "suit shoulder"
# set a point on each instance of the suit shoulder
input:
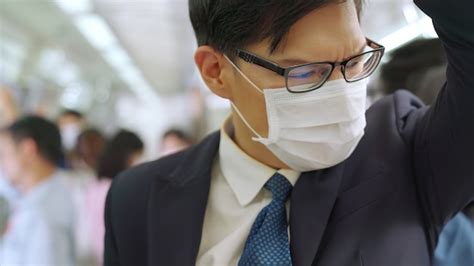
(405, 103)
(133, 185)
(401, 102)
(139, 179)
(400, 112)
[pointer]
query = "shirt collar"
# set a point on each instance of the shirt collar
(245, 175)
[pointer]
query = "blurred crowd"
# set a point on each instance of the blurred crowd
(54, 179)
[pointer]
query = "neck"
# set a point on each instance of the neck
(38, 173)
(243, 138)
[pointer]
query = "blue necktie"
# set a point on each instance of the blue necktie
(267, 243)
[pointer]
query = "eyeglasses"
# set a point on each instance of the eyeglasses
(312, 76)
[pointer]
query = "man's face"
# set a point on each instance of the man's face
(172, 144)
(331, 33)
(12, 158)
(69, 119)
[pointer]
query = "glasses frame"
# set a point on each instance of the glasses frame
(284, 71)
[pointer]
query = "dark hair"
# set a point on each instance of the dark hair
(43, 132)
(70, 112)
(90, 145)
(180, 134)
(228, 24)
(117, 152)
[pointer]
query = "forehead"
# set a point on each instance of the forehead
(173, 138)
(69, 118)
(331, 19)
(330, 33)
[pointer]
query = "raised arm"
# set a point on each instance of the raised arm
(444, 139)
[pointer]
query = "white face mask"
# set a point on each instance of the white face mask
(69, 135)
(313, 130)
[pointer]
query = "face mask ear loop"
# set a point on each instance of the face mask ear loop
(246, 123)
(243, 75)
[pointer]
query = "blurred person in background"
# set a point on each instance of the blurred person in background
(420, 66)
(89, 147)
(4, 216)
(41, 228)
(174, 140)
(9, 112)
(302, 173)
(87, 151)
(456, 243)
(123, 151)
(71, 123)
(8, 198)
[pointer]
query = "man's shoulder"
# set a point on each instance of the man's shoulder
(135, 183)
(399, 112)
(400, 103)
(140, 178)
(160, 168)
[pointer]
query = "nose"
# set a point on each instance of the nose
(336, 74)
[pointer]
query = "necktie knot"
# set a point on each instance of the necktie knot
(280, 187)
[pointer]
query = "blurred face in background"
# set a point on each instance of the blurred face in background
(89, 147)
(172, 144)
(135, 158)
(13, 157)
(70, 126)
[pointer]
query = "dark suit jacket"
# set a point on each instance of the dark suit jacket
(385, 205)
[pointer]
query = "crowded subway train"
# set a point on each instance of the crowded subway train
(236, 132)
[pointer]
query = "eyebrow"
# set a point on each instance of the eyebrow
(289, 62)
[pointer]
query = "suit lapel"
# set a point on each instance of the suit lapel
(312, 201)
(177, 207)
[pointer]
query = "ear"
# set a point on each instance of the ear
(211, 64)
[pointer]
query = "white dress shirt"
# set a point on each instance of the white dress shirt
(236, 197)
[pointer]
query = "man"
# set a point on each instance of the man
(8, 107)
(71, 123)
(41, 229)
(8, 198)
(8, 195)
(297, 176)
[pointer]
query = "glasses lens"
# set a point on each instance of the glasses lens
(307, 77)
(362, 66)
